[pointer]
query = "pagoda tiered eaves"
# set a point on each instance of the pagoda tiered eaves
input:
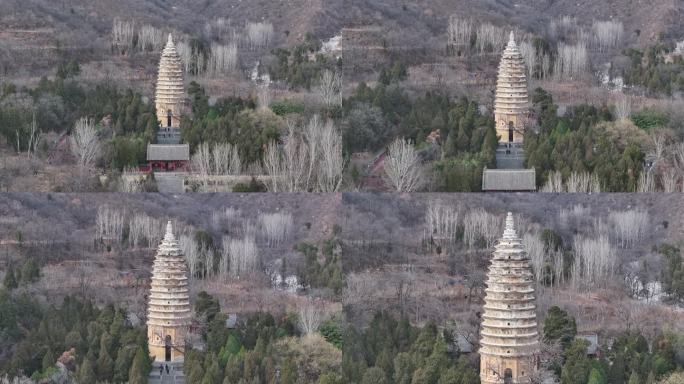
(509, 340)
(169, 311)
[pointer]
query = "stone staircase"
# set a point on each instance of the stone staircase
(510, 156)
(170, 182)
(175, 375)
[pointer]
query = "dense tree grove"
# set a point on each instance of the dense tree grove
(629, 359)
(673, 272)
(57, 104)
(394, 351)
(294, 67)
(325, 274)
(656, 69)
(259, 348)
(573, 143)
(467, 139)
(26, 273)
(95, 344)
(232, 120)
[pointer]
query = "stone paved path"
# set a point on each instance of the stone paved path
(168, 182)
(175, 375)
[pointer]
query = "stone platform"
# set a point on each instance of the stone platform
(175, 375)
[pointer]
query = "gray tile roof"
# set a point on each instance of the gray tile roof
(592, 338)
(508, 180)
(168, 152)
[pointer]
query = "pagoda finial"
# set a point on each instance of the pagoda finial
(509, 232)
(170, 40)
(169, 231)
(511, 39)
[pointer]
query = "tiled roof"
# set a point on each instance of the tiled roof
(508, 180)
(168, 152)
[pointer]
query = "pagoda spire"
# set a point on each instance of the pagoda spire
(509, 342)
(511, 39)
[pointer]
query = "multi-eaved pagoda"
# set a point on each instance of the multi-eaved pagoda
(168, 154)
(511, 101)
(169, 314)
(511, 106)
(509, 343)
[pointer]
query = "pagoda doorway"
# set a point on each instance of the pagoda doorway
(510, 131)
(508, 376)
(167, 348)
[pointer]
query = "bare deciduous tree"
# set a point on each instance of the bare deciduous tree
(311, 316)
(123, 33)
(646, 182)
(201, 163)
(185, 52)
(330, 88)
(226, 159)
(572, 61)
(244, 256)
(85, 144)
(441, 223)
(529, 54)
(629, 227)
(607, 34)
(670, 181)
(309, 161)
(490, 37)
(578, 182)
(403, 166)
(595, 262)
(109, 223)
(259, 35)
(222, 59)
(537, 251)
(331, 163)
(150, 38)
(459, 32)
(276, 227)
(34, 137)
(191, 252)
(623, 106)
(481, 226)
(263, 97)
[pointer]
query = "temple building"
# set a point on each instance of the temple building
(509, 342)
(168, 154)
(168, 312)
(511, 102)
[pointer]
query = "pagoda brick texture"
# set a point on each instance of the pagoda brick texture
(170, 88)
(509, 342)
(511, 101)
(169, 312)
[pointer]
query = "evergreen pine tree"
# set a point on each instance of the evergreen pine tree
(10, 281)
(48, 359)
(105, 366)
(138, 373)
(86, 373)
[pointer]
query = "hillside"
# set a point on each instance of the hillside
(49, 29)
